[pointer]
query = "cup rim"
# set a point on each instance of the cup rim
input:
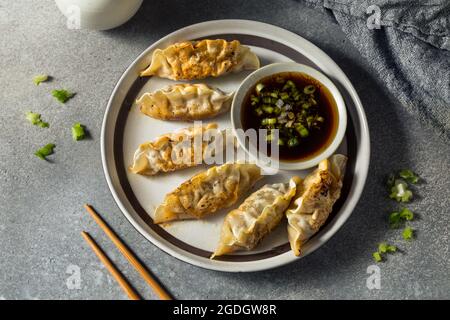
(275, 68)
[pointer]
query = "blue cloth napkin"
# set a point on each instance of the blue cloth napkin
(407, 44)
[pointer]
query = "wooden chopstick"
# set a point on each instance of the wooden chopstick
(163, 295)
(111, 268)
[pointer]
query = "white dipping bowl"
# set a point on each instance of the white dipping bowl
(272, 69)
(97, 14)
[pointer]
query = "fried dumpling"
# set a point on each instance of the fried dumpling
(259, 214)
(205, 193)
(175, 151)
(314, 201)
(185, 102)
(191, 60)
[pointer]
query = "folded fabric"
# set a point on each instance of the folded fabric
(407, 44)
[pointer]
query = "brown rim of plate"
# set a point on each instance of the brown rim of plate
(128, 191)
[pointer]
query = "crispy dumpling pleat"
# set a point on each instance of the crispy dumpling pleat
(185, 102)
(205, 193)
(191, 60)
(259, 214)
(176, 151)
(314, 201)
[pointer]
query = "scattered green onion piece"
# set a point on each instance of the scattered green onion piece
(408, 233)
(40, 78)
(35, 119)
(394, 220)
(386, 248)
(45, 151)
(62, 95)
(78, 132)
(406, 214)
(409, 176)
(400, 191)
(377, 257)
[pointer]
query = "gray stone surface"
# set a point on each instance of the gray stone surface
(41, 212)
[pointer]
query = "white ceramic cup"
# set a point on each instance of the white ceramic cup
(97, 14)
(275, 68)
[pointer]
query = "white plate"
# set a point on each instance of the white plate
(124, 128)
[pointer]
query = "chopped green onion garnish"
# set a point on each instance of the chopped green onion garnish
(254, 99)
(78, 132)
(284, 95)
(45, 151)
(409, 176)
(406, 214)
(35, 119)
(309, 89)
(267, 108)
(377, 257)
(267, 100)
(408, 233)
(62, 95)
(303, 132)
(40, 78)
(268, 121)
(394, 220)
(386, 248)
(293, 142)
(259, 88)
(400, 191)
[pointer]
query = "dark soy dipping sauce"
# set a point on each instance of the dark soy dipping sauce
(318, 140)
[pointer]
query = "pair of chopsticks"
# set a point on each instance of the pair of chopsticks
(132, 294)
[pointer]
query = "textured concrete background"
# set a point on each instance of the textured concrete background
(41, 212)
